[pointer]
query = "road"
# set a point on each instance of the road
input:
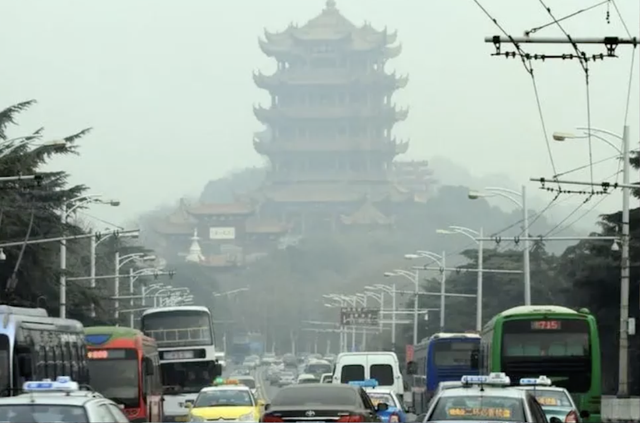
(265, 391)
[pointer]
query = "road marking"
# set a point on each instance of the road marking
(260, 380)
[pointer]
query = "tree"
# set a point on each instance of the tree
(30, 211)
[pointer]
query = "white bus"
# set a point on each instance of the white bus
(188, 362)
(34, 346)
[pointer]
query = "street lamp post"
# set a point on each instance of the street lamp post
(392, 291)
(65, 212)
(476, 236)
(440, 260)
(133, 276)
(414, 277)
(623, 351)
(119, 262)
(522, 204)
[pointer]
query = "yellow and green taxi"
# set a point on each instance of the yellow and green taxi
(225, 401)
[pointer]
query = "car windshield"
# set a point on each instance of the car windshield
(311, 395)
(551, 397)
(475, 407)
(378, 397)
(224, 398)
(249, 383)
(40, 413)
(116, 378)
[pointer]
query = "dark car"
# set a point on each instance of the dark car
(322, 402)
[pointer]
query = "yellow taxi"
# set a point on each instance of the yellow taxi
(225, 401)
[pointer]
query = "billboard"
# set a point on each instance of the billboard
(222, 233)
(360, 316)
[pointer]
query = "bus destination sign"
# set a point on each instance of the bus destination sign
(546, 325)
(112, 354)
(182, 354)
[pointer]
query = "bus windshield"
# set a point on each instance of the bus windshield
(455, 353)
(115, 374)
(179, 328)
(190, 377)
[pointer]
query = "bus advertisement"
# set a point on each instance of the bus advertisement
(557, 342)
(188, 362)
(34, 346)
(443, 357)
(125, 367)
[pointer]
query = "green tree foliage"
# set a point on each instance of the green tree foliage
(29, 275)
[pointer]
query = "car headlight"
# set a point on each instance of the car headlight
(193, 418)
(249, 417)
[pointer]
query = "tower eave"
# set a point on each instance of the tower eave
(391, 52)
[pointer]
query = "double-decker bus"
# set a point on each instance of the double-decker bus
(125, 366)
(443, 357)
(34, 346)
(557, 342)
(185, 339)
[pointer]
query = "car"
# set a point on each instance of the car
(241, 371)
(62, 401)
(395, 411)
(249, 382)
(486, 398)
(227, 401)
(307, 378)
(286, 379)
(326, 378)
(382, 366)
(321, 402)
(555, 401)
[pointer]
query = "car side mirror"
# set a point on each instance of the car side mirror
(267, 407)
(412, 368)
(188, 404)
(584, 414)
(382, 406)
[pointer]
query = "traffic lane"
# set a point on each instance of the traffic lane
(266, 391)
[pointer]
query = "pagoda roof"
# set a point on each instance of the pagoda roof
(388, 113)
(255, 225)
(333, 193)
(180, 222)
(367, 214)
(329, 78)
(329, 25)
(211, 209)
(392, 147)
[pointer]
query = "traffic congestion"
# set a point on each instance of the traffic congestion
(530, 364)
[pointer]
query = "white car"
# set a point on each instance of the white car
(286, 379)
(59, 401)
(307, 378)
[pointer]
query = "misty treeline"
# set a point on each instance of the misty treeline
(29, 210)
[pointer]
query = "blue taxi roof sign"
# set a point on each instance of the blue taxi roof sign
(369, 383)
(62, 383)
(497, 379)
(539, 381)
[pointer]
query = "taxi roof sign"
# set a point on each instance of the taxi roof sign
(540, 381)
(498, 379)
(62, 383)
(369, 383)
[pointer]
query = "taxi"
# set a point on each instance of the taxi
(225, 401)
(61, 400)
(555, 401)
(393, 412)
(486, 399)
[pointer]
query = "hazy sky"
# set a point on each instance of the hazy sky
(167, 86)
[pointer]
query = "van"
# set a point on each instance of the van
(382, 366)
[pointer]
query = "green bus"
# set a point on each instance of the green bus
(557, 342)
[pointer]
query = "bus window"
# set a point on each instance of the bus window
(5, 354)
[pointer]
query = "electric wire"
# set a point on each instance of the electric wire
(617, 156)
(582, 59)
(571, 15)
(585, 201)
(106, 222)
(525, 58)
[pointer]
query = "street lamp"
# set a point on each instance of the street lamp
(343, 332)
(414, 277)
(64, 215)
(476, 236)
(119, 263)
(512, 195)
(392, 291)
(440, 260)
(623, 369)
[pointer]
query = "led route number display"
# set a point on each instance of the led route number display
(106, 354)
(484, 412)
(546, 325)
(548, 401)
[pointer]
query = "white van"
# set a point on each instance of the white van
(382, 366)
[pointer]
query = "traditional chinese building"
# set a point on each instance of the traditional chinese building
(328, 133)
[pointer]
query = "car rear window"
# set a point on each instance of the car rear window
(40, 413)
(477, 407)
(352, 372)
(383, 373)
(320, 395)
(551, 398)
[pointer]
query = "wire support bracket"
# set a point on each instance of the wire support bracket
(606, 186)
(611, 43)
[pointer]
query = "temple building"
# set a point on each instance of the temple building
(328, 137)
(328, 133)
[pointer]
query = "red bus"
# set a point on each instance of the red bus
(124, 366)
